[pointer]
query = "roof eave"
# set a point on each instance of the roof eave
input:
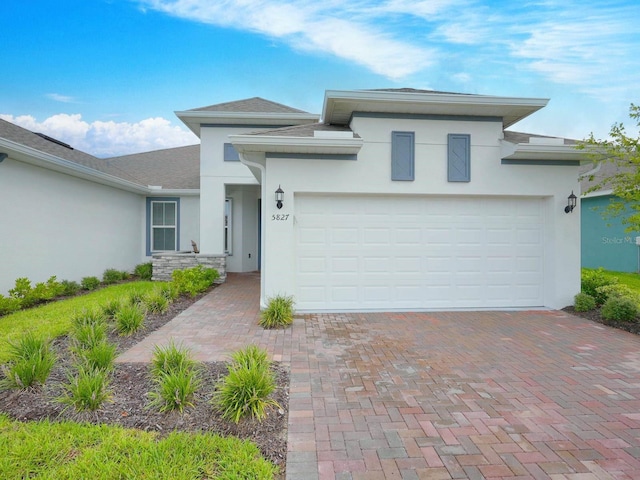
(511, 109)
(41, 159)
(526, 151)
(194, 119)
(285, 144)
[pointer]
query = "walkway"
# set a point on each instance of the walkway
(478, 395)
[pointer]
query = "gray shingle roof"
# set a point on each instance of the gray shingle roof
(173, 168)
(520, 137)
(51, 146)
(303, 130)
(249, 105)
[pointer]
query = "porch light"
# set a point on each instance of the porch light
(279, 197)
(3, 156)
(571, 203)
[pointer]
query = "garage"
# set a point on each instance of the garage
(366, 252)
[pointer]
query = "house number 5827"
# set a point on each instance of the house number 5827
(280, 217)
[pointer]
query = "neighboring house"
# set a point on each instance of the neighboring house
(605, 243)
(390, 200)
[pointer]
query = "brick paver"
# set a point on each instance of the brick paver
(525, 394)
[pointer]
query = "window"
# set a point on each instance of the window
(459, 157)
(230, 153)
(163, 224)
(402, 156)
(228, 232)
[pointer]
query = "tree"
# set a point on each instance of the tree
(621, 150)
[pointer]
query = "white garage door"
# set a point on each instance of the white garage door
(407, 252)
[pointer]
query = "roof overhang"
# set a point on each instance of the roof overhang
(543, 153)
(339, 105)
(31, 156)
(305, 145)
(194, 119)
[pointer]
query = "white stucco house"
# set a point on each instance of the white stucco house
(388, 200)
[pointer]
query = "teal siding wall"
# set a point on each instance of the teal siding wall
(604, 241)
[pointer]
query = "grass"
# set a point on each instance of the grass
(87, 389)
(632, 280)
(279, 312)
(54, 319)
(31, 361)
(68, 450)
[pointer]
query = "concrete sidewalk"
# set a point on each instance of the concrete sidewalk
(476, 395)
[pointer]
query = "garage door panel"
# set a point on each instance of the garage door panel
(418, 252)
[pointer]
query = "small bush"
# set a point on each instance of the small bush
(88, 335)
(9, 305)
(194, 280)
(69, 288)
(174, 390)
(618, 290)
(279, 312)
(144, 271)
(21, 289)
(41, 292)
(111, 275)
(169, 291)
(245, 392)
(156, 302)
(88, 389)
(100, 356)
(136, 298)
(584, 302)
(112, 305)
(30, 362)
(171, 358)
(621, 309)
(129, 319)
(591, 280)
(90, 283)
(251, 356)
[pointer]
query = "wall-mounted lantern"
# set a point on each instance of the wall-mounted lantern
(571, 203)
(3, 156)
(279, 197)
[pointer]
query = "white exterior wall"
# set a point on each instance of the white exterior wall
(64, 226)
(371, 173)
(220, 180)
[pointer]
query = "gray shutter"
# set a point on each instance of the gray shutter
(230, 153)
(459, 157)
(402, 156)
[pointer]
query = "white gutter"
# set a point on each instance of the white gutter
(272, 143)
(42, 159)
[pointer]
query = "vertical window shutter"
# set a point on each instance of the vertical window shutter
(230, 153)
(459, 157)
(402, 156)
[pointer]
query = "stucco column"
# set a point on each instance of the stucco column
(212, 195)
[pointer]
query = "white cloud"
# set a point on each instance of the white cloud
(326, 27)
(107, 139)
(61, 98)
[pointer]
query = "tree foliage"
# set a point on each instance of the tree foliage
(622, 150)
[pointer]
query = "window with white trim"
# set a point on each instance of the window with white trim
(164, 226)
(228, 230)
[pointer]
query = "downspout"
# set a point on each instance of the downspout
(263, 188)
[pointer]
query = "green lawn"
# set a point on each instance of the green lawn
(54, 319)
(632, 280)
(68, 450)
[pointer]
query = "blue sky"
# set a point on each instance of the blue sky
(107, 75)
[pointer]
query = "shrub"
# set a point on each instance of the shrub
(591, 280)
(175, 390)
(30, 361)
(69, 288)
(100, 356)
(194, 280)
(584, 302)
(21, 289)
(111, 275)
(88, 335)
(9, 305)
(136, 298)
(622, 309)
(245, 391)
(90, 283)
(171, 358)
(618, 290)
(112, 305)
(279, 312)
(86, 390)
(156, 302)
(169, 291)
(41, 292)
(144, 271)
(251, 355)
(129, 318)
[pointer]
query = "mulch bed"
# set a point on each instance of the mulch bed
(596, 316)
(130, 385)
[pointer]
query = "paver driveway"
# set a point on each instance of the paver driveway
(437, 395)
